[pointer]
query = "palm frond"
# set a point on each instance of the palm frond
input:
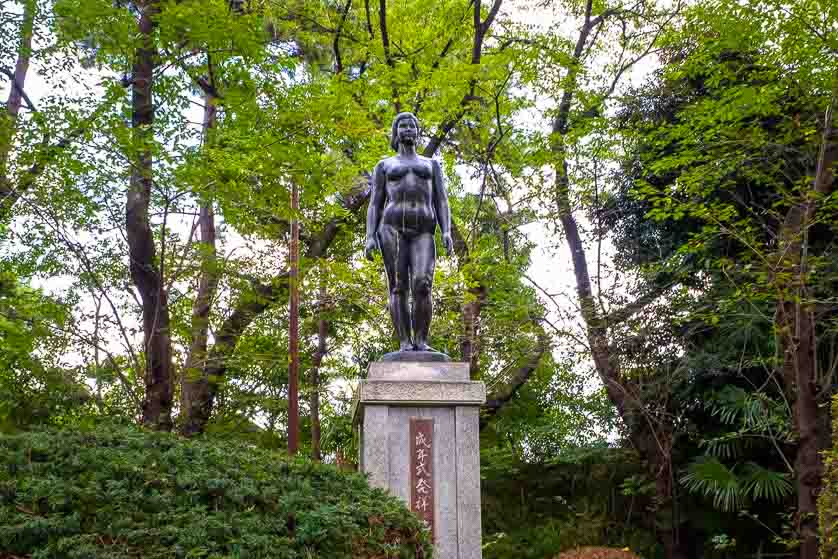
(712, 479)
(727, 445)
(733, 404)
(762, 483)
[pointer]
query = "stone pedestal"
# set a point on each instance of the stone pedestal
(397, 394)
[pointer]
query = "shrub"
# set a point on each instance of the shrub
(119, 492)
(584, 496)
(597, 553)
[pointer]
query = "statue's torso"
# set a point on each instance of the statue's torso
(409, 184)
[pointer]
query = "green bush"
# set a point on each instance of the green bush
(118, 492)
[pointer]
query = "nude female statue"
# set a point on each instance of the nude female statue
(408, 200)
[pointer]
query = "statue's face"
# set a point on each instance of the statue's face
(406, 131)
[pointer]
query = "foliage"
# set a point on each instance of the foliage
(305, 92)
(729, 489)
(752, 416)
(117, 492)
(34, 388)
(711, 154)
(582, 496)
(828, 500)
(721, 147)
(597, 553)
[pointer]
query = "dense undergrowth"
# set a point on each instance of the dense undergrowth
(584, 497)
(597, 553)
(828, 500)
(118, 493)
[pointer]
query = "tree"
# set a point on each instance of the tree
(745, 161)
(287, 97)
(580, 97)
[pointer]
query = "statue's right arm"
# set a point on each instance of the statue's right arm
(376, 206)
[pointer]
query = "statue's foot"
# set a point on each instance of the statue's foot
(405, 346)
(423, 347)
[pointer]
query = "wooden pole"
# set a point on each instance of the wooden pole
(294, 326)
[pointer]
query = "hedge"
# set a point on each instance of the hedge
(119, 492)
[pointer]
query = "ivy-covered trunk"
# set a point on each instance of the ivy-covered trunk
(472, 306)
(145, 271)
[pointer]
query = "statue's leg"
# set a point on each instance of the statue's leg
(394, 250)
(422, 260)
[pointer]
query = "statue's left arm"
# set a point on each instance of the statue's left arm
(441, 208)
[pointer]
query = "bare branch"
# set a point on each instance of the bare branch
(77, 249)
(11, 107)
(622, 314)
(336, 42)
(493, 12)
(369, 19)
(18, 78)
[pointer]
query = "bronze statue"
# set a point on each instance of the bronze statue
(408, 200)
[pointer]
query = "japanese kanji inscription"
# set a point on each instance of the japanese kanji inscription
(421, 470)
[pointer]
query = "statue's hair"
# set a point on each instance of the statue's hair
(394, 136)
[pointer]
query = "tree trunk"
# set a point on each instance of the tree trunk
(828, 499)
(645, 435)
(194, 386)
(619, 391)
(8, 121)
(606, 363)
(145, 272)
(657, 447)
(322, 334)
(807, 463)
(252, 304)
(294, 324)
(794, 322)
(476, 295)
(470, 346)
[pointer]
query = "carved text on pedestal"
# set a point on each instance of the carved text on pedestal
(421, 470)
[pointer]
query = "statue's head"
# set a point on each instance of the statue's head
(405, 129)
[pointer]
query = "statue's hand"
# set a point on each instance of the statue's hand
(448, 243)
(370, 248)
